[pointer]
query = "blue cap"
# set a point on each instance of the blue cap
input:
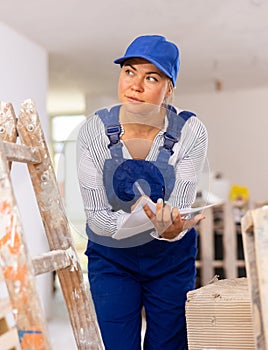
(157, 50)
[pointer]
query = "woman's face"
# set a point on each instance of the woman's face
(141, 82)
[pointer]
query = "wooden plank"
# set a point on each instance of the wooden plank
(248, 237)
(58, 232)
(9, 339)
(17, 267)
(207, 247)
(52, 261)
(229, 242)
(21, 153)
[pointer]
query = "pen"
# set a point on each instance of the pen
(139, 189)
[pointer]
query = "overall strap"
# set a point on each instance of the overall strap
(172, 135)
(173, 132)
(113, 129)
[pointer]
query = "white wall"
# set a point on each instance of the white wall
(24, 74)
(238, 144)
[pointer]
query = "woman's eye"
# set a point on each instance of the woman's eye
(129, 72)
(151, 78)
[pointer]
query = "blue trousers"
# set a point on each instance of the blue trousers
(156, 276)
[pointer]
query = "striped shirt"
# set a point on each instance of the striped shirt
(92, 151)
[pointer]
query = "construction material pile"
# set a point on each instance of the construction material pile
(219, 316)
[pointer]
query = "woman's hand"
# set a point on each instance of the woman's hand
(168, 221)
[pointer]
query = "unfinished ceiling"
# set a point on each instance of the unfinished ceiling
(224, 44)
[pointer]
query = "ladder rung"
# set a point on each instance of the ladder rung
(51, 261)
(21, 153)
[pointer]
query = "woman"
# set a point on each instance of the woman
(139, 149)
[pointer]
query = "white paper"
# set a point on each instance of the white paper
(137, 221)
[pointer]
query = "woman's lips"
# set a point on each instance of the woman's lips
(134, 99)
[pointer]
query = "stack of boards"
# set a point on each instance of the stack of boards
(219, 316)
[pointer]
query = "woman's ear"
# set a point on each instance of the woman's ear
(169, 89)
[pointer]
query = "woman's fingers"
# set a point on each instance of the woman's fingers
(189, 223)
(159, 210)
(148, 212)
(175, 215)
(165, 213)
(167, 216)
(168, 221)
(162, 216)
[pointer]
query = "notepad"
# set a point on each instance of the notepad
(137, 221)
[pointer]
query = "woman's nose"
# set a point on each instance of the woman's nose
(137, 84)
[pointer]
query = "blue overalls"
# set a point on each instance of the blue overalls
(155, 275)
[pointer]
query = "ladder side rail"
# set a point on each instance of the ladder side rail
(17, 267)
(8, 121)
(248, 238)
(58, 232)
(260, 219)
(8, 131)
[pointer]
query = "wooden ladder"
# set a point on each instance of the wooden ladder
(18, 268)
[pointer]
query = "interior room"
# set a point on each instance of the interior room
(59, 54)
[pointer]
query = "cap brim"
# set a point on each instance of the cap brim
(122, 59)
